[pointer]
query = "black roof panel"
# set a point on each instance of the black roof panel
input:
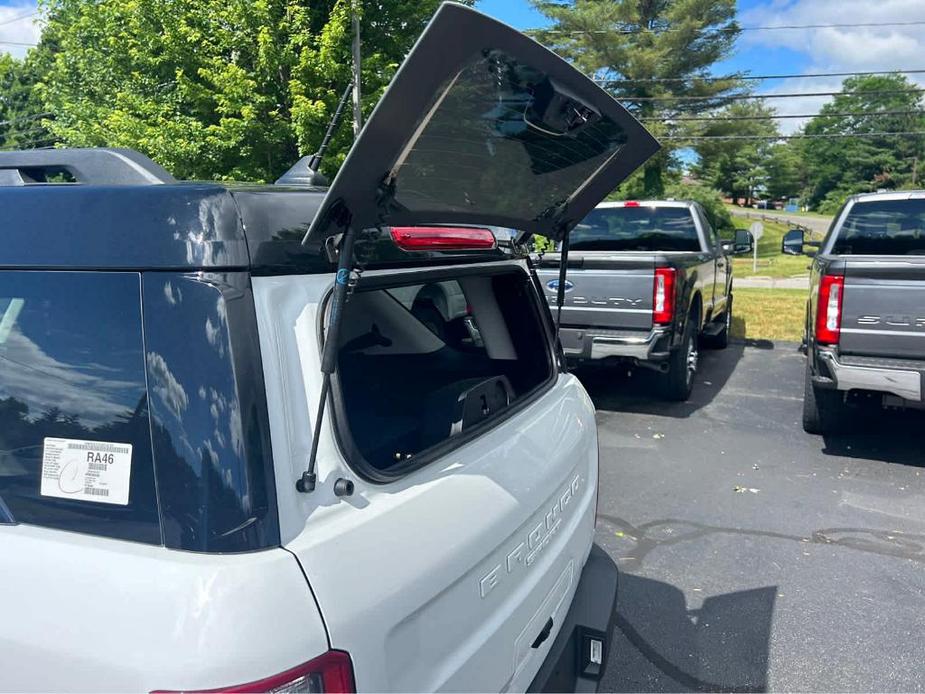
(170, 226)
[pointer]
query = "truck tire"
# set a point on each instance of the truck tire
(682, 364)
(721, 339)
(824, 411)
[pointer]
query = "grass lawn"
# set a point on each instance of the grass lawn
(771, 262)
(769, 314)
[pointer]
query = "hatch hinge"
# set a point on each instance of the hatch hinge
(385, 198)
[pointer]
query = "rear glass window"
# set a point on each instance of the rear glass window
(636, 229)
(426, 364)
(75, 448)
(888, 227)
(494, 117)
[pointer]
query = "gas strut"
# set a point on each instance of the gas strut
(560, 290)
(306, 483)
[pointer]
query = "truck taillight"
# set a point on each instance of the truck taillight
(663, 295)
(828, 311)
(331, 672)
(443, 238)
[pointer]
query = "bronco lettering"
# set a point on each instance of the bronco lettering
(539, 537)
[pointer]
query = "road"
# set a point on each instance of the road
(817, 224)
(755, 557)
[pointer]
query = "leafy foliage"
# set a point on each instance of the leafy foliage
(21, 111)
(711, 200)
(217, 89)
(840, 166)
(738, 167)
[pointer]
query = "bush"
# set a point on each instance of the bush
(711, 200)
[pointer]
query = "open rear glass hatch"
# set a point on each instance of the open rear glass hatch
(481, 126)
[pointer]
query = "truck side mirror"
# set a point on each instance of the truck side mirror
(793, 242)
(744, 242)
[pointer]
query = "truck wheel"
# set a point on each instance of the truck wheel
(824, 411)
(682, 365)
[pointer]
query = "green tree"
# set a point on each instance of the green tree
(21, 111)
(632, 44)
(786, 173)
(842, 157)
(224, 89)
(737, 167)
(711, 200)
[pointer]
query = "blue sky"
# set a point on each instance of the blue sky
(834, 49)
(749, 58)
(795, 52)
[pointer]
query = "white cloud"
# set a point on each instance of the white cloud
(173, 296)
(29, 374)
(166, 385)
(16, 29)
(842, 49)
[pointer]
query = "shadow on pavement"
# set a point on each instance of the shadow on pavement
(660, 645)
(621, 389)
(890, 436)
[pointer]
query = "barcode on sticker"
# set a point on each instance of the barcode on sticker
(96, 492)
(99, 467)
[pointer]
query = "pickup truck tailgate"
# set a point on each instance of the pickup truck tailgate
(603, 291)
(884, 309)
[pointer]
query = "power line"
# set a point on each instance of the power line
(25, 133)
(21, 119)
(867, 25)
(779, 27)
(752, 78)
(846, 114)
(774, 138)
(22, 16)
(18, 43)
(745, 97)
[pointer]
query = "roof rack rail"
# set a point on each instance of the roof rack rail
(97, 166)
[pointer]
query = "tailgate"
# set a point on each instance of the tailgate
(884, 310)
(603, 290)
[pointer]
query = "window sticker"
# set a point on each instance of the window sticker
(95, 471)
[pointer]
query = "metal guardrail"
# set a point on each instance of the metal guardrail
(778, 219)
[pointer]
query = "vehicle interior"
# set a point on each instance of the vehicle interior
(420, 364)
(884, 228)
(643, 228)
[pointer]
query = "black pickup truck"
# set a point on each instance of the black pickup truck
(647, 283)
(865, 317)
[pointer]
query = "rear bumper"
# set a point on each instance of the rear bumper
(899, 377)
(591, 616)
(580, 343)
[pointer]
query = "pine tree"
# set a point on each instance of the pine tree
(650, 50)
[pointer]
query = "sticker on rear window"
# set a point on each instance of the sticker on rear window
(96, 471)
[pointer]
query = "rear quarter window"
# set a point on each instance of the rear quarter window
(72, 401)
(887, 227)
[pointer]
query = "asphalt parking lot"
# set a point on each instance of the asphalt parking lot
(754, 557)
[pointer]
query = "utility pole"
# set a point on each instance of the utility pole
(915, 168)
(357, 112)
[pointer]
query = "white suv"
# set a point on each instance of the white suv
(235, 456)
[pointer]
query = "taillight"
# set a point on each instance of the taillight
(663, 295)
(331, 672)
(829, 308)
(442, 238)
(631, 203)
